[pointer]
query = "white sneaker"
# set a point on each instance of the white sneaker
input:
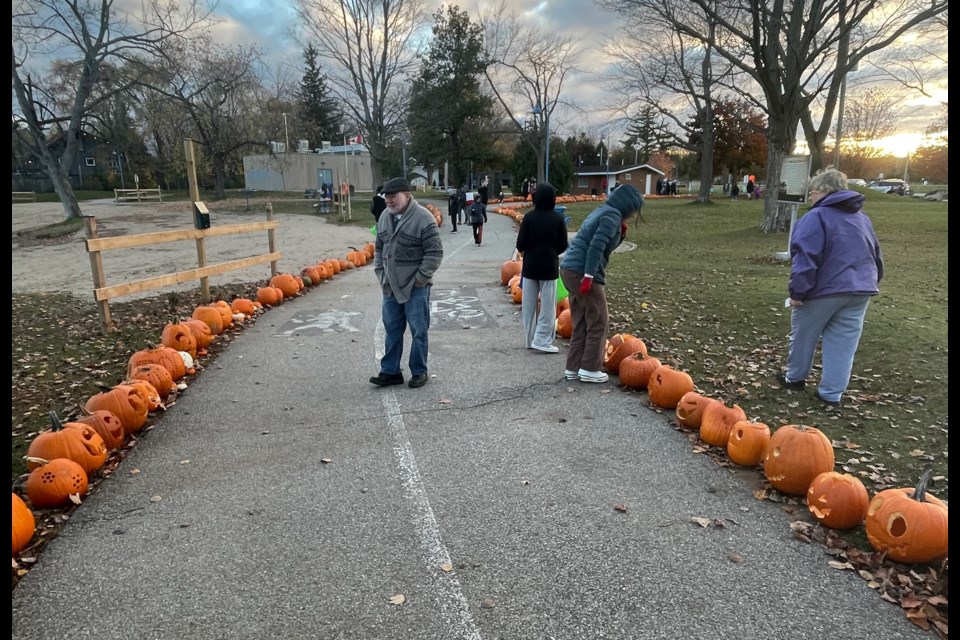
(592, 376)
(547, 349)
(570, 375)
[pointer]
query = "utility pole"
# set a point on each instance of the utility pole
(286, 136)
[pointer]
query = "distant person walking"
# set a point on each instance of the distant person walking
(407, 253)
(478, 216)
(378, 204)
(836, 267)
(541, 239)
(583, 272)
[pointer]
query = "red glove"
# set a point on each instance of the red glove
(623, 231)
(585, 284)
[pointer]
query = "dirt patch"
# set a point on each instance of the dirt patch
(63, 264)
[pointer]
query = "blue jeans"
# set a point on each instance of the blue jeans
(838, 321)
(415, 313)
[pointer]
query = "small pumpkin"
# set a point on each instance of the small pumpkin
(269, 296)
(310, 273)
(244, 306)
(795, 456)
(52, 482)
(717, 421)
(636, 369)
(162, 355)
(286, 283)
(107, 426)
(24, 524)
(80, 443)
(147, 391)
(619, 347)
(124, 401)
(563, 305)
(509, 269)
(667, 385)
(226, 314)
(564, 324)
(180, 337)
(748, 442)
(837, 500)
(201, 335)
(516, 293)
(157, 375)
(690, 408)
(211, 316)
(909, 523)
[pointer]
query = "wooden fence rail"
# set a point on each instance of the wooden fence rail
(137, 195)
(103, 293)
(24, 196)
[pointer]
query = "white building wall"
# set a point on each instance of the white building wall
(298, 171)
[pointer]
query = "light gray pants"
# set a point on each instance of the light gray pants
(539, 320)
(836, 322)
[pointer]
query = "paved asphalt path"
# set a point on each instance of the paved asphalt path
(285, 497)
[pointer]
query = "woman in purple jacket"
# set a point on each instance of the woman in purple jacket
(836, 268)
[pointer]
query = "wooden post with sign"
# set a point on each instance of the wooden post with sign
(195, 198)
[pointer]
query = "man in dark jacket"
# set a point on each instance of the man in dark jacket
(541, 239)
(378, 204)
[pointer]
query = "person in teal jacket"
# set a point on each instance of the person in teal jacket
(582, 270)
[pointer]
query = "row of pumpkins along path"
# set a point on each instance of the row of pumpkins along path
(908, 523)
(905, 524)
(67, 459)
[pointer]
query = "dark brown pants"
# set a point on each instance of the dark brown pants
(588, 313)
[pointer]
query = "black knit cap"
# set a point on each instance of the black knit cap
(396, 185)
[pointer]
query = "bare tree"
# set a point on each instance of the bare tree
(371, 50)
(221, 96)
(91, 36)
(527, 69)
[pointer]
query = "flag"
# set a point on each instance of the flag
(357, 139)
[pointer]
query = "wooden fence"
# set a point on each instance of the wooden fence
(137, 195)
(103, 293)
(24, 196)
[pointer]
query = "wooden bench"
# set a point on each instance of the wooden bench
(136, 195)
(24, 196)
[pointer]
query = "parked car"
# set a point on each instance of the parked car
(857, 182)
(891, 185)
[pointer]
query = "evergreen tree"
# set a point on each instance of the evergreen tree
(448, 113)
(646, 135)
(319, 116)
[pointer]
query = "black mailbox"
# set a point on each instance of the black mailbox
(201, 217)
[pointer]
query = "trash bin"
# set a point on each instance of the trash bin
(562, 211)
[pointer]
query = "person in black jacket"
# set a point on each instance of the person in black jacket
(541, 239)
(478, 215)
(378, 204)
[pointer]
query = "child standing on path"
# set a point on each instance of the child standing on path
(478, 215)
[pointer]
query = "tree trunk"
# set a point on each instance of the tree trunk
(219, 176)
(61, 184)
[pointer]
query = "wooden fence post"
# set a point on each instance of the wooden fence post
(195, 197)
(99, 280)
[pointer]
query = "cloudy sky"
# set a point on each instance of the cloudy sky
(268, 23)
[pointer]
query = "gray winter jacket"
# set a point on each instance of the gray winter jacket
(599, 234)
(407, 252)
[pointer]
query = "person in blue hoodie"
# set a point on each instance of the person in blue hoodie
(582, 270)
(836, 267)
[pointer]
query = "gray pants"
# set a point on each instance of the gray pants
(539, 324)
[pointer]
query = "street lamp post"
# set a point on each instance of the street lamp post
(119, 157)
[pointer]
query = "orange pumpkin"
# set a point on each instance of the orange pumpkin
(509, 269)
(619, 347)
(564, 324)
(795, 456)
(201, 335)
(269, 295)
(24, 525)
(563, 305)
(838, 500)
(52, 482)
(286, 283)
(178, 336)
(312, 273)
(157, 375)
(162, 355)
(636, 369)
(667, 385)
(244, 306)
(748, 442)
(226, 313)
(690, 408)
(79, 443)
(516, 293)
(147, 391)
(908, 523)
(211, 316)
(124, 401)
(717, 421)
(107, 426)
